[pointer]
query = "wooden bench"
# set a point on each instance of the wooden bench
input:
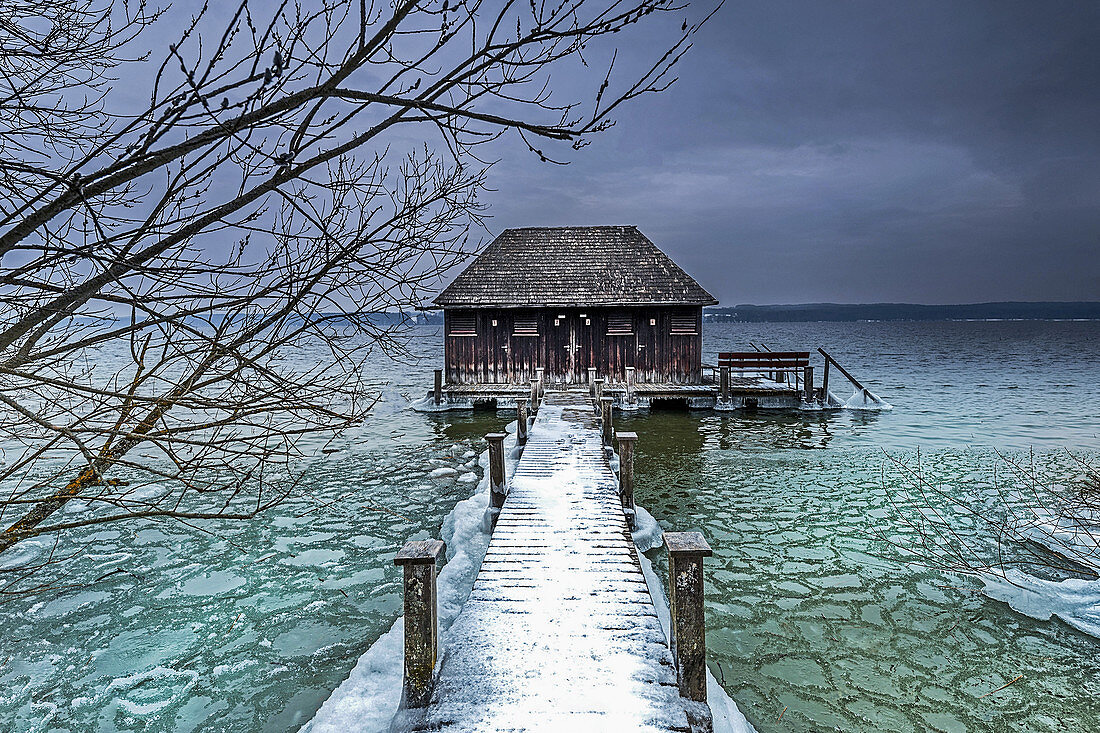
(774, 363)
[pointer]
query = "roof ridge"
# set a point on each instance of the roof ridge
(571, 226)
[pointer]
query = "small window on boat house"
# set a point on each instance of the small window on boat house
(462, 325)
(526, 326)
(684, 324)
(620, 324)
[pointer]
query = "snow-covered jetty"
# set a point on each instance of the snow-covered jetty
(559, 631)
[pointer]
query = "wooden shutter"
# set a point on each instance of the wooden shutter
(462, 325)
(620, 324)
(526, 326)
(684, 324)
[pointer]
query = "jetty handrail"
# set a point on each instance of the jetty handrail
(867, 394)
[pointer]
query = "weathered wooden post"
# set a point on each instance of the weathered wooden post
(605, 418)
(438, 386)
(724, 381)
(521, 421)
(541, 371)
(626, 474)
(599, 392)
(630, 385)
(418, 559)
(825, 383)
(686, 551)
(808, 384)
(534, 395)
(497, 490)
(592, 382)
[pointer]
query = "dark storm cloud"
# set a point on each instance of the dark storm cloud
(930, 152)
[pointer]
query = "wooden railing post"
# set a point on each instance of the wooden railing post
(599, 392)
(498, 492)
(521, 421)
(724, 388)
(534, 396)
(626, 474)
(592, 382)
(825, 383)
(418, 559)
(541, 371)
(686, 551)
(630, 385)
(808, 384)
(438, 392)
(605, 418)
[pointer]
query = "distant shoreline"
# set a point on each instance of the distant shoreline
(811, 312)
(1009, 311)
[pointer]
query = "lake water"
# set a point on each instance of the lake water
(814, 622)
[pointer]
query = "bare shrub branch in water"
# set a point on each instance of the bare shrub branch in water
(175, 224)
(1021, 516)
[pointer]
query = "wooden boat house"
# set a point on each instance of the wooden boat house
(568, 299)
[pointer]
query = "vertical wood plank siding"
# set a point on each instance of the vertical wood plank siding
(497, 355)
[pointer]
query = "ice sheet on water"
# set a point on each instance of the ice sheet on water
(1075, 601)
(1073, 534)
(368, 699)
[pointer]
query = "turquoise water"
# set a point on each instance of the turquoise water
(814, 622)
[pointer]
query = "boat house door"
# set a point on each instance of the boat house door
(580, 347)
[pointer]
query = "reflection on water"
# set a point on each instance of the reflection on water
(249, 627)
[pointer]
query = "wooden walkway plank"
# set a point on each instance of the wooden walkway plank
(559, 631)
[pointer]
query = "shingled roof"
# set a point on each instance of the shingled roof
(572, 266)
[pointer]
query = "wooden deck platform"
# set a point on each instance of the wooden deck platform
(745, 391)
(559, 632)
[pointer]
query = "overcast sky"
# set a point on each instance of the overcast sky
(932, 152)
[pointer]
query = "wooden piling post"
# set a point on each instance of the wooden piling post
(808, 384)
(592, 382)
(605, 418)
(498, 492)
(418, 559)
(686, 551)
(534, 396)
(438, 392)
(724, 382)
(626, 474)
(521, 421)
(599, 393)
(630, 385)
(825, 383)
(541, 371)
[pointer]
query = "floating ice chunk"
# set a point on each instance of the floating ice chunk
(427, 404)
(647, 533)
(443, 471)
(1075, 601)
(862, 400)
(155, 689)
(468, 478)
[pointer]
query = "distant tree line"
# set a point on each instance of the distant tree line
(904, 312)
